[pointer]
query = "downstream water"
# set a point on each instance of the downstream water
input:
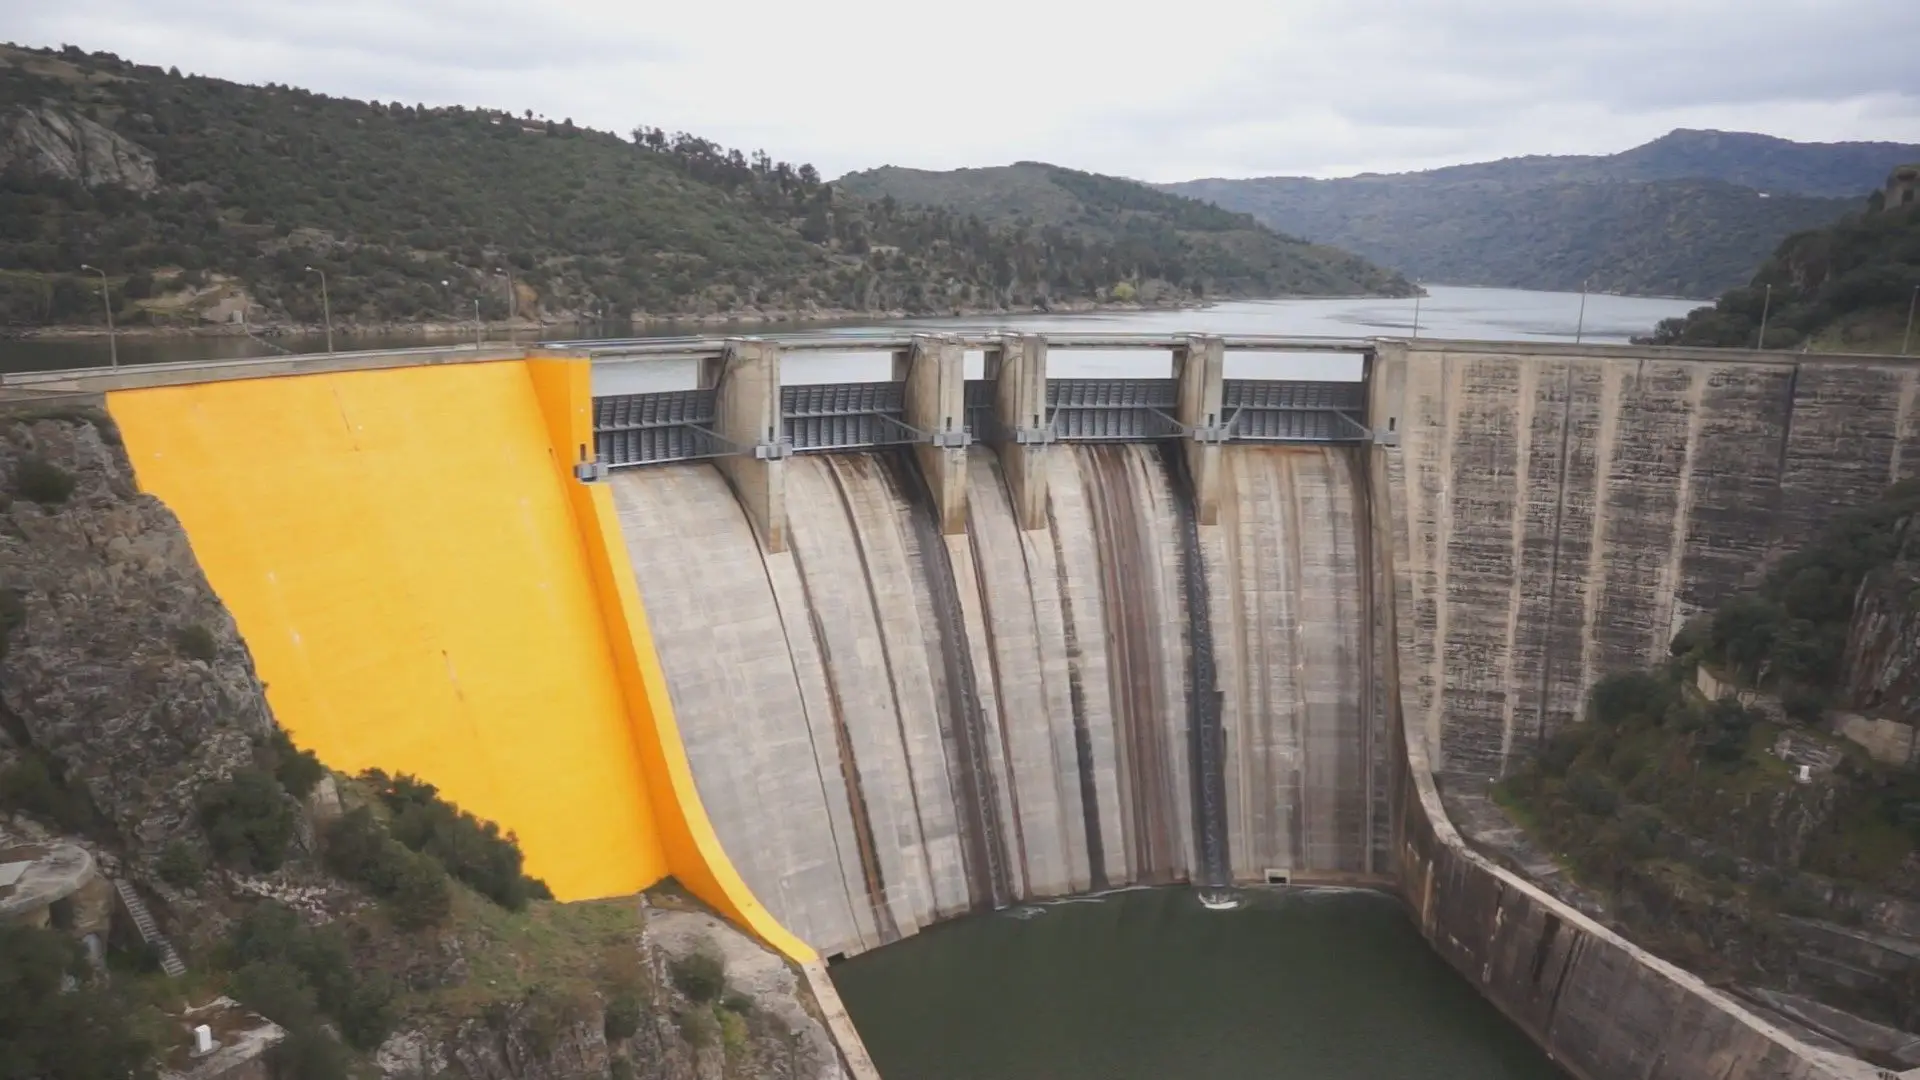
(1148, 985)
(1448, 311)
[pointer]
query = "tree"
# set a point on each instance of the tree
(51, 1032)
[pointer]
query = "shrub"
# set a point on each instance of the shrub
(41, 481)
(309, 1053)
(271, 940)
(248, 820)
(195, 642)
(180, 865)
(701, 975)
(50, 1028)
(472, 850)
(34, 785)
(622, 1017)
(736, 1002)
(414, 886)
(1803, 703)
(698, 1026)
(1591, 794)
(297, 770)
(1629, 698)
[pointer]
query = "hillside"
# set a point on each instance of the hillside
(204, 198)
(1688, 214)
(1157, 233)
(1848, 287)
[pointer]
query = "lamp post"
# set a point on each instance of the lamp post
(326, 304)
(478, 326)
(1580, 327)
(106, 300)
(1766, 309)
(1907, 341)
(1416, 309)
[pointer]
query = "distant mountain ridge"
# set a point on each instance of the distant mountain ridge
(1689, 214)
(1228, 252)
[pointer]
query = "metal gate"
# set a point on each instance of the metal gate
(1261, 410)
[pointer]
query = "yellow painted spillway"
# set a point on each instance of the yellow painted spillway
(425, 588)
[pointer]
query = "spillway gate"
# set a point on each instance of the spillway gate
(666, 426)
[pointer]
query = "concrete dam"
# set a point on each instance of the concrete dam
(850, 659)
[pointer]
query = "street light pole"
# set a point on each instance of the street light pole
(1416, 309)
(106, 300)
(326, 304)
(513, 307)
(1580, 327)
(1907, 342)
(478, 326)
(1766, 309)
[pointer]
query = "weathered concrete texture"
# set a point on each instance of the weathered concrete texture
(1565, 510)
(747, 413)
(935, 374)
(1292, 624)
(889, 725)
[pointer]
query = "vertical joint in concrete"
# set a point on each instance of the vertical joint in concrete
(936, 404)
(1025, 430)
(746, 383)
(1200, 365)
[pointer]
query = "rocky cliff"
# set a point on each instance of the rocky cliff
(50, 141)
(1881, 669)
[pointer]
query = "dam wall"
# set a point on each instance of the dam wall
(1563, 510)
(890, 725)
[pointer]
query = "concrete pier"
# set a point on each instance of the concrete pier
(1200, 365)
(934, 370)
(747, 414)
(1018, 367)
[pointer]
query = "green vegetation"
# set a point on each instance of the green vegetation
(195, 642)
(35, 784)
(180, 866)
(292, 973)
(472, 850)
(248, 820)
(701, 975)
(415, 213)
(38, 480)
(1160, 240)
(414, 886)
(1845, 287)
(50, 1033)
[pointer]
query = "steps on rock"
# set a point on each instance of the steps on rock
(149, 929)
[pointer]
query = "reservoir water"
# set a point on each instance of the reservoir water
(1149, 985)
(1447, 311)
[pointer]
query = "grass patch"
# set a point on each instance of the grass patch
(568, 949)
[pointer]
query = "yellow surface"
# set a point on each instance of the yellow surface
(401, 551)
(694, 853)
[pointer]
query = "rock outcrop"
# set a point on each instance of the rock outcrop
(50, 141)
(1880, 676)
(121, 665)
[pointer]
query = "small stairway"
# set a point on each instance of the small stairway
(149, 930)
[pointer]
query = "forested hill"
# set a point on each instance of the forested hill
(1158, 228)
(1688, 214)
(1848, 287)
(202, 199)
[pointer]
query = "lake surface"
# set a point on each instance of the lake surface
(1450, 312)
(1149, 985)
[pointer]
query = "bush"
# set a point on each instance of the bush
(271, 940)
(1803, 703)
(1629, 699)
(34, 785)
(736, 1002)
(195, 642)
(297, 770)
(309, 1053)
(622, 1017)
(701, 975)
(414, 886)
(48, 1029)
(248, 820)
(41, 481)
(698, 1027)
(472, 850)
(180, 865)
(1591, 794)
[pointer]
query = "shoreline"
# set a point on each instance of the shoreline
(466, 329)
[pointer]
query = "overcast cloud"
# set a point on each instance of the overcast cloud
(1162, 91)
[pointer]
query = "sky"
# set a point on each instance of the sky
(1165, 91)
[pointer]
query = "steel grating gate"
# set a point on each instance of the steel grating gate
(979, 408)
(1261, 410)
(1097, 410)
(834, 416)
(643, 429)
